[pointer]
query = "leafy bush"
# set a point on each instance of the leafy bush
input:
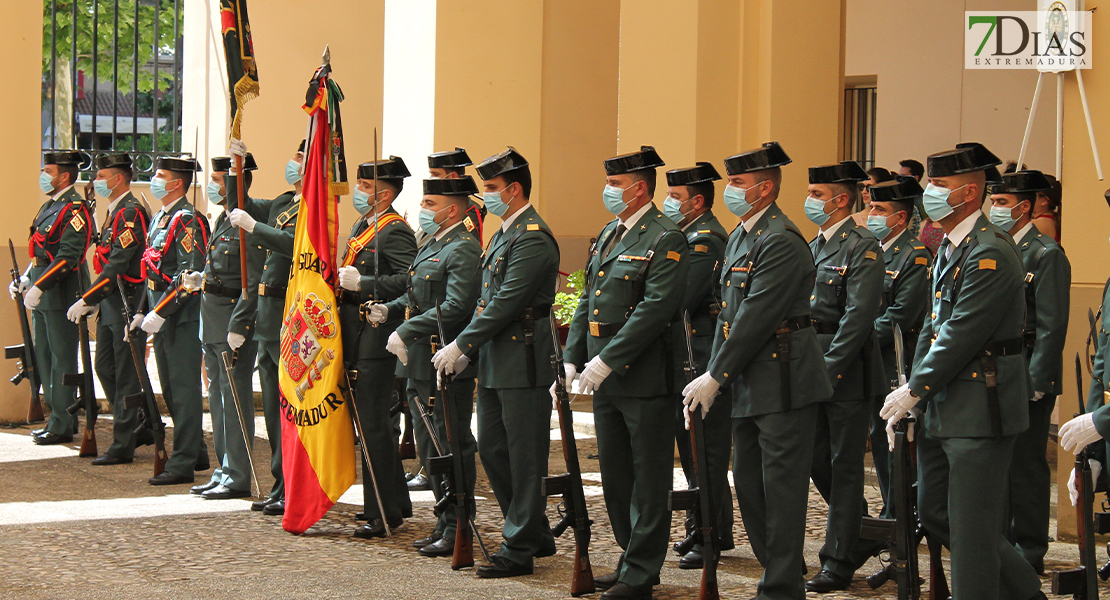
(567, 302)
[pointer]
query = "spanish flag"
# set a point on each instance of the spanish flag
(317, 437)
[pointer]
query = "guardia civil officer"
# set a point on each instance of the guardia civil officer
(510, 336)
(1047, 299)
(444, 274)
(365, 280)
(689, 203)
(176, 243)
(62, 231)
(119, 253)
(905, 300)
(769, 366)
(620, 340)
(845, 303)
(971, 421)
(271, 225)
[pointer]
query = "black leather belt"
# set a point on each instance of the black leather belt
(604, 329)
(271, 290)
(157, 286)
(987, 360)
(347, 297)
(794, 324)
(216, 289)
(782, 345)
(825, 328)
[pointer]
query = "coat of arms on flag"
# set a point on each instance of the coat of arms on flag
(306, 322)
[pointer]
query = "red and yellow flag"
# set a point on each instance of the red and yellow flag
(317, 438)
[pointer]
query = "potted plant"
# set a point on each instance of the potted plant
(566, 302)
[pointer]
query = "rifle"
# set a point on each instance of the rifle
(569, 484)
(699, 500)
(25, 353)
(86, 393)
(1080, 582)
(407, 447)
(145, 398)
(464, 543)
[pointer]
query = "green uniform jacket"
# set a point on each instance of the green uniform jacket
(905, 297)
(705, 241)
(398, 248)
(119, 252)
(172, 237)
(1096, 398)
(276, 222)
(759, 293)
(847, 296)
(60, 234)
(520, 268)
(220, 314)
(947, 372)
(444, 274)
(1048, 285)
(640, 353)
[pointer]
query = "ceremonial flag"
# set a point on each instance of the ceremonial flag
(317, 438)
(242, 72)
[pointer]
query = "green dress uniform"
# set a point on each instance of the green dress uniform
(376, 367)
(1047, 301)
(276, 222)
(176, 243)
(905, 302)
(60, 235)
(846, 300)
(119, 254)
(1098, 396)
(511, 335)
(634, 291)
(225, 307)
(445, 274)
(974, 328)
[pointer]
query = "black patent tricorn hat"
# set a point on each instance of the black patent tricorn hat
(847, 171)
(463, 186)
(391, 168)
(501, 163)
(65, 158)
(767, 156)
(1021, 182)
(645, 158)
(449, 159)
(300, 147)
(222, 164)
(121, 160)
(904, 189)
(700, 173)
(179, 165)
(968, 157)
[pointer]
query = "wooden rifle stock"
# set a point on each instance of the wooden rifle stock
(463, 555)
(28, 362)
(407, 447)
(85, 391)
(145, 399)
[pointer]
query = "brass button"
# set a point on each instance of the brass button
(741, 284)
(597, 293)
(938, 294)
(840, 377)
(813, 297)
(264, 267)
(626, 277)
(487, 284)
(411, 273)
(728, 284)
(974, 375)
(514, 338)
(724, 305)
(726, 374)
(595, 311)
(926, 388)
(774, 355)
(427, 277)
(934, 315)
(601, 273)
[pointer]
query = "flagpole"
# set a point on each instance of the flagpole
(242, 232)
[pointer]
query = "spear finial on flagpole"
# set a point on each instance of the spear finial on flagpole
(326, 60)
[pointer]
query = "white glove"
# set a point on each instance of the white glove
(192, 280)
(395, 346)
(235, 340)
(891, 422)
(78, 310)
(898, 402)
(32, 296)
(24, 283)
(702, 391)
(444, 360)
(136, 321)
(237, 148)
(378, 313)
(571, 372)
(1078, 433)
(349, 278)
(1073, 491)
(242, 220)
(595, 372)
(1037, 396)
(152, 322)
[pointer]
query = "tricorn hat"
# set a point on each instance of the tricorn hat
(65, 158)
(847, 171)
(300, 147)
(500, 163)
(700, 173)
(121, 160)
(904, 189)
(767, 156)
(222, 164)
(968, 157)
(645, 158)
(449, 159)
(1021, 182)
(463, 186)
(179, 165)
(391, 168)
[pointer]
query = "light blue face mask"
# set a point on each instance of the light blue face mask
(815, 210)
(494, 203)
(936, 204)
(428, 221)
(736, 199)
(213, 191)
(673, 209)
(361, 200)
(100, 186)
(1003, 217)
(614, 198)
(876, 224)
(46, 183)
(292, 172)
(158, 188)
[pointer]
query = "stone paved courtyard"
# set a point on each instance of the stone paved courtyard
(71, 530)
